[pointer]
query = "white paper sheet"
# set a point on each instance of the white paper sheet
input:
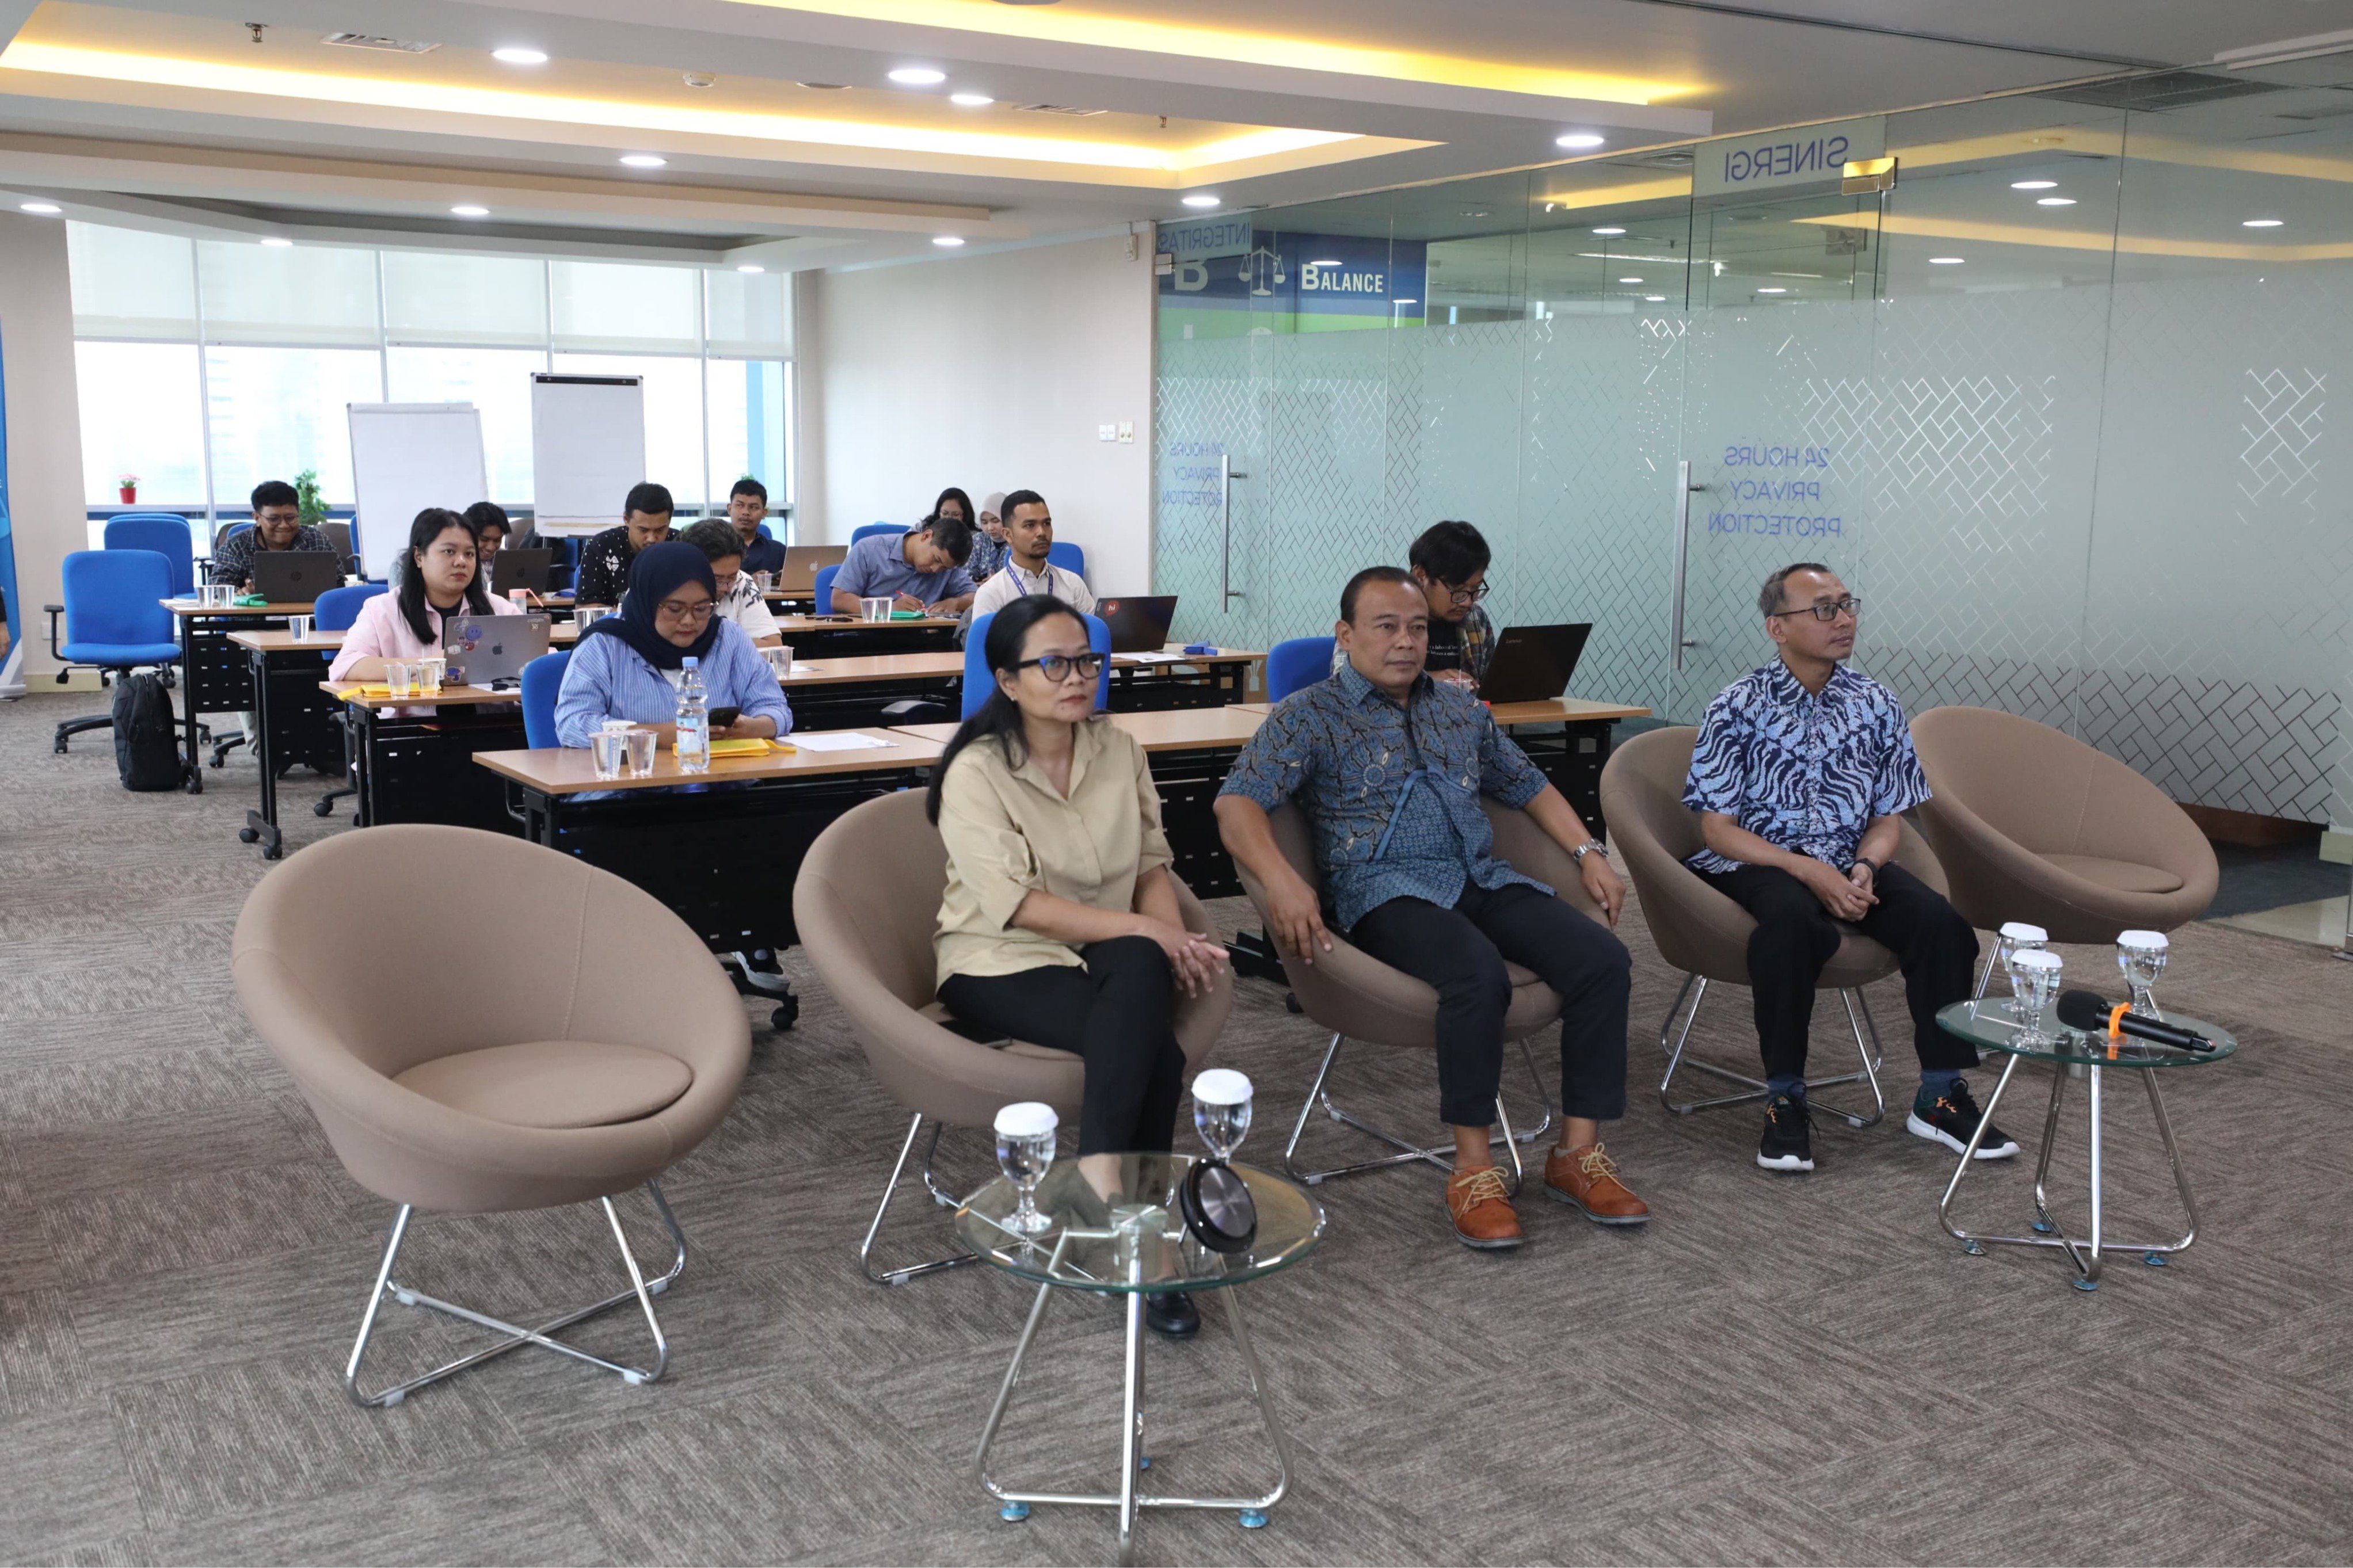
(836, 741)
(1159, 658)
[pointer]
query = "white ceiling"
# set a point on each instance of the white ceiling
(1470, 86)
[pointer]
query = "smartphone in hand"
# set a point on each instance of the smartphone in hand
(725, 718)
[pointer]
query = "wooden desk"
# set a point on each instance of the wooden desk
(872, 667)
(822, 637)
(1193, 680)
(853, 693)
(294, 723)
(722, 852)
(1159, 730)
(280, 640)
(1563, 711)
(218, 674)
(411, 759)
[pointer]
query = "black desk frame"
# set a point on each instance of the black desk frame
(419, 768)
(218, 677)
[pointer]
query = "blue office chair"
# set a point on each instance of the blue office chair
(872, 528)
(1069, 557)
(1295, 663)
(164, 533)
(542, 680)
(336, 610)
(979, 682)
(115, 620)
(766, 532)
(821, 588)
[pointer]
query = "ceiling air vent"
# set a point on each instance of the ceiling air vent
(2165, 89)
(1059, 109)
(371, 41)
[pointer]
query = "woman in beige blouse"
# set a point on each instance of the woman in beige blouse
(1060, 924)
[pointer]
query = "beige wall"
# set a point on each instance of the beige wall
(992, 372)
(44, 500)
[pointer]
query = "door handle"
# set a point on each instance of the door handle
(1227, 475)
(1683, 488)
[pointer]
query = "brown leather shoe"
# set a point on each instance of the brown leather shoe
(1481, 1207)
(1587, 1178)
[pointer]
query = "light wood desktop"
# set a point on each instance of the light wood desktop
(877, 667)
(571, 770)
(448, 697)
(279, 640)
(1544, 710)
(1167, 730)
(194, 611)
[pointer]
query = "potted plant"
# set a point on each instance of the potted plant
(306, 494)
(129, 486)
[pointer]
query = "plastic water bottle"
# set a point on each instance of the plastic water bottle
(693, 721)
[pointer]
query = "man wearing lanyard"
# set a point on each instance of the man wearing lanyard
(1388, 765)
(1029, 537)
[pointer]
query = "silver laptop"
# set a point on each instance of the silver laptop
(483, 650)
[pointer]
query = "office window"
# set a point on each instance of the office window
(141, 414)
(289, 294)
(750, 414)
(435, 299)
(275, 412)
(495, 381)
(602, 307)
(131, 284)
(747, 314)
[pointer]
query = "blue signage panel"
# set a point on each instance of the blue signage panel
(1303, 274)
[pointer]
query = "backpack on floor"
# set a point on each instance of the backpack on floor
(147, 749)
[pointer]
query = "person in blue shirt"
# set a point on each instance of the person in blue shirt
(921, 569)
(748, 507)
(1388, 765)
(629, 664)
(1799, 772)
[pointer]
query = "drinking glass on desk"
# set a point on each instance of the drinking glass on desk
(1024, 1153)
(2017, 937)
(875, 609)
(2038, 974)
(780, 661)
(589, 615)
(300, 627)
(2141, 955)
(641, 752)
(430, 670)
(764, 581)
(399, 677)
(609, 749)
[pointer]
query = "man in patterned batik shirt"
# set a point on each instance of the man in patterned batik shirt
(1388, 765)
(1799, 774)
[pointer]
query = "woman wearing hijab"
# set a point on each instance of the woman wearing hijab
(988, 545)
(629, 664)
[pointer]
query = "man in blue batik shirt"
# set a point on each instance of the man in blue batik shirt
(1388, 766)
(1799, 774)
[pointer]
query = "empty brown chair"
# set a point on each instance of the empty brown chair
(1358, 997)
(867, 904)
(2037, 826)
(481, 1025)
(1705, 934)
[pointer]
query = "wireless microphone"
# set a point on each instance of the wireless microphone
(2095, 1015)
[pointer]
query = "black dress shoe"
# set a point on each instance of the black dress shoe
(1172, 1313)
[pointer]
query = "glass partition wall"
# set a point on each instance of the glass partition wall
(2055, 407)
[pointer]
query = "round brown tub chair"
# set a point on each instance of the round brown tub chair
(2037, 826)
(867, 904)
(582, 1052)
(1705, 934)
(1360, 998)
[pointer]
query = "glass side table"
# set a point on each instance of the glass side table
(1988, 1024)
(1135, 1245)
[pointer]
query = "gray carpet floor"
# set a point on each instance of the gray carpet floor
(1777, 1369)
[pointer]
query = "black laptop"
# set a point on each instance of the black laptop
(1532, 663)
(1138, 625)
(530, 570)
(295, 576)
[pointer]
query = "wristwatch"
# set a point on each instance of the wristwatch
(1576, 856)
(1865, 860)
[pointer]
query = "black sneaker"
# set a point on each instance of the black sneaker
(1172, 1313)
(1788, 1141)
(1952, 1119)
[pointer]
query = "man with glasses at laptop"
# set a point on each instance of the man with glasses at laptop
(1028, 538)
(1799, 774)
(1388, 766)
(1450, 566)
(276, 525)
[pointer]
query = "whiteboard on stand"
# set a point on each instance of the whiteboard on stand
(407, 457)
(587, 447)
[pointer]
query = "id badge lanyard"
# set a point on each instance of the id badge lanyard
(1439, 777)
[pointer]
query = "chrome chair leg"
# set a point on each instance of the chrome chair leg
(1859, 1019)
(641, 1290)
(890, 1189)
(1438, 1154)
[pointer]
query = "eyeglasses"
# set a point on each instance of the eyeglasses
(698, 611)
(1850, 605)
(1058, 667)
(1464, 596)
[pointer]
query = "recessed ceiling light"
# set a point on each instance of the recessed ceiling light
(516, 55)
(644, 161)
(1577, 138)
(970, 99)
(2250, 223)
(1609, 231)
(918, 76)
(1772, 290)
(1629, 281)
(1655, 299)
(2054, 201)
(2034, 185)
(41, 209)
(1946, 260)
(276, 240)
(1202, 201)
(469, 211)
(950, 240)
(749, 267)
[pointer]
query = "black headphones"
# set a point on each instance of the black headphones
(1219, 1208)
